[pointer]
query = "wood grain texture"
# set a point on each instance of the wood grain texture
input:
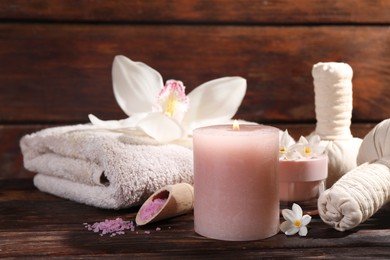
(55, 69)
(35, 224)
(199, 11)
(62, 72)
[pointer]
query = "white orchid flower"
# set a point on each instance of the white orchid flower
(166, 113)
(295, 221)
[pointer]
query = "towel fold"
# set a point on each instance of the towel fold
(104, 168)
(361, 192)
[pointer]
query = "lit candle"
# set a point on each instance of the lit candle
(236, 182)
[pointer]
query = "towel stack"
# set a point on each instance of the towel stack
(104, 168)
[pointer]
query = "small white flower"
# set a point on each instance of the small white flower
(166, 113)
(295, 221)
(308, 148)
(315, 144)
(304, 148)
(285, 143)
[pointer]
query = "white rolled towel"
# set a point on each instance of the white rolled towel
(333, 107)
(104, 168)
(364, 190)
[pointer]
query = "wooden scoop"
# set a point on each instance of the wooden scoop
(167, 202)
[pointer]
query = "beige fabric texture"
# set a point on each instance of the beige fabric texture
(104, 168)
(364, 190)
(333, 107)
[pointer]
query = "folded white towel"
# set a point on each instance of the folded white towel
(364, 190)
(104, 168)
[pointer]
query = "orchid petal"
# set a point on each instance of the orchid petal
(214, 102)
(160, 127)
(136, 85)
(113, 124)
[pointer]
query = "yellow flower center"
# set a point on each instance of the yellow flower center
(282, 149)
(172, 100)
(307, 150)
(297, 223)
(170, 106)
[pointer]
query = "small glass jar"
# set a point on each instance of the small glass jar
(302, 182)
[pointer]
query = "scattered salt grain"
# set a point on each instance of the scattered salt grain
(113, 227)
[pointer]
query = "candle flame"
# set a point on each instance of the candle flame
(236, 125)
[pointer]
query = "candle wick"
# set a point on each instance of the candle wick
(236, 125)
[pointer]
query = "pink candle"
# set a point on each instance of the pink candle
(302, 181)
(236, 182)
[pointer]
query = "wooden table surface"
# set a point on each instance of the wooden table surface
(56, 59)
(36, 224)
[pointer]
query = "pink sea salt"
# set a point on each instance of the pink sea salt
(113, 227)
(151, 208)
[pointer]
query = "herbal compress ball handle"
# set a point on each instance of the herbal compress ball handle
(333, 107)
(364, 190)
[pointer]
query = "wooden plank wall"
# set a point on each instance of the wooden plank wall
(56, 57)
